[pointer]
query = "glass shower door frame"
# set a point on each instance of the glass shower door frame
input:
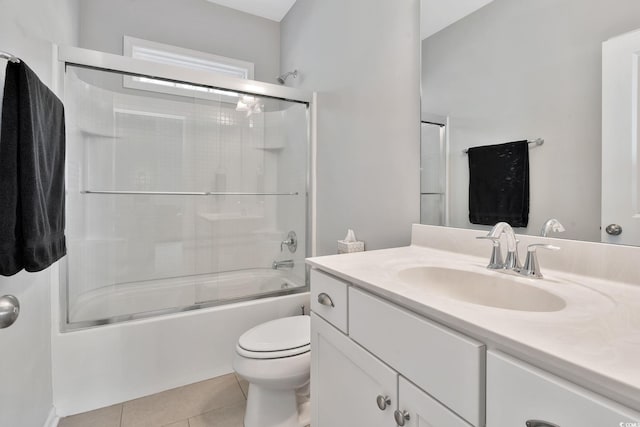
(101, 61)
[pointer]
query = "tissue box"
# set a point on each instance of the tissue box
(345, 247)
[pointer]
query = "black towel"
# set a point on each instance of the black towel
(32, 150)
(499, 184)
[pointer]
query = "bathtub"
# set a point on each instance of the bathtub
(112, 304)
(112, 363)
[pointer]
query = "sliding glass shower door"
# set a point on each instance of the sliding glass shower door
(181, 198)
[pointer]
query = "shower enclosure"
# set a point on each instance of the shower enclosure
(184, 190)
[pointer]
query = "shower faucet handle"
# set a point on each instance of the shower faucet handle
(291, 242)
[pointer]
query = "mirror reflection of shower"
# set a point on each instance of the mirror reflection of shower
(282, 78)
(433, 171)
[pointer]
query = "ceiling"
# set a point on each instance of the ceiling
(270, 9)
(435, 15)
(438, 14)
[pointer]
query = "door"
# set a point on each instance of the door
(418, 409)
(349, 387)
(620, 140)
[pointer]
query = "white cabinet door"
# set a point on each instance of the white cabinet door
(422, 410)
(346, 382)
(518, 393)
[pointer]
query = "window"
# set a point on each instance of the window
(187, 58)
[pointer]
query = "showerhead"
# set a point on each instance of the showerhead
(283, 77)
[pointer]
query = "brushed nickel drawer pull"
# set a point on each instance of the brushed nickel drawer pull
(325, 299)
(538, 423)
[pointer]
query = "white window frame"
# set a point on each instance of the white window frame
(173, 55)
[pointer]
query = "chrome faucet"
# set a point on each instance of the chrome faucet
(550, 225)
(531, 266)
(278, 265)
(512, 262)
(291, 242)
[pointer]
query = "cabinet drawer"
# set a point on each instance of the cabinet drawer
(447, 365)
(423, 410)
(518, 392)
(334, 294)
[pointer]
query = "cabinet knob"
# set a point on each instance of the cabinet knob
(538, 423)
(325, 299)
(401, 417)
(383, 402)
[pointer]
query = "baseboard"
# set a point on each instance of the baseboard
(52, 419)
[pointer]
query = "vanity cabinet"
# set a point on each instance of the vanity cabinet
(446, 364)
(368, 351)
(520, 395)
(376, 376)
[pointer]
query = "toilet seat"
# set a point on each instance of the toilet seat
(273, 354)
(286, 337)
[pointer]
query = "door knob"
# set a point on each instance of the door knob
(9, 310)
(613, 229)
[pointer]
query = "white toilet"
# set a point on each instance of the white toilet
(275, 359)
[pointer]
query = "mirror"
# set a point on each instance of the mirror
(521, 70)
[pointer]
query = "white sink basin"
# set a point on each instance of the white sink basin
(492, 290)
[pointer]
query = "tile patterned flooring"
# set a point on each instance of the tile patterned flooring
(218, 402)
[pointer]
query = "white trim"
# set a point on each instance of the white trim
(53, 419)
(447, 172)
(313, 169)
(92, 58)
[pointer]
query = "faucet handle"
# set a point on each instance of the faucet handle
(531, 266)
(495, 263)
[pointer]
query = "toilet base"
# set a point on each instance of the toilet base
(273, 408)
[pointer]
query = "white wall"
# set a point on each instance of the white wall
(192, 24)
(27, 29)
(520, 69)
(364, 63)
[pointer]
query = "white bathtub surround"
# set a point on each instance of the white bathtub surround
(98, 367)
(592, 342)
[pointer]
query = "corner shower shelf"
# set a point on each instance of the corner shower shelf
(187, 193)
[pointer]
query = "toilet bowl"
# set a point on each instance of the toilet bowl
(274, 358)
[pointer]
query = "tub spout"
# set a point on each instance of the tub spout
(279, 265)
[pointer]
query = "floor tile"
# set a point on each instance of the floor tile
(232, 416)
(244, 385)
(182, 403)
(104, 417)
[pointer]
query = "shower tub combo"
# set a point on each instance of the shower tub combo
(188, 221)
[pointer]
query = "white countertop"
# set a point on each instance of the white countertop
(594, 341)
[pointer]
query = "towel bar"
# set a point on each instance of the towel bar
(537, 141)
(9, 57)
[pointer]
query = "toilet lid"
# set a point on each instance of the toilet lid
(277, 335)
